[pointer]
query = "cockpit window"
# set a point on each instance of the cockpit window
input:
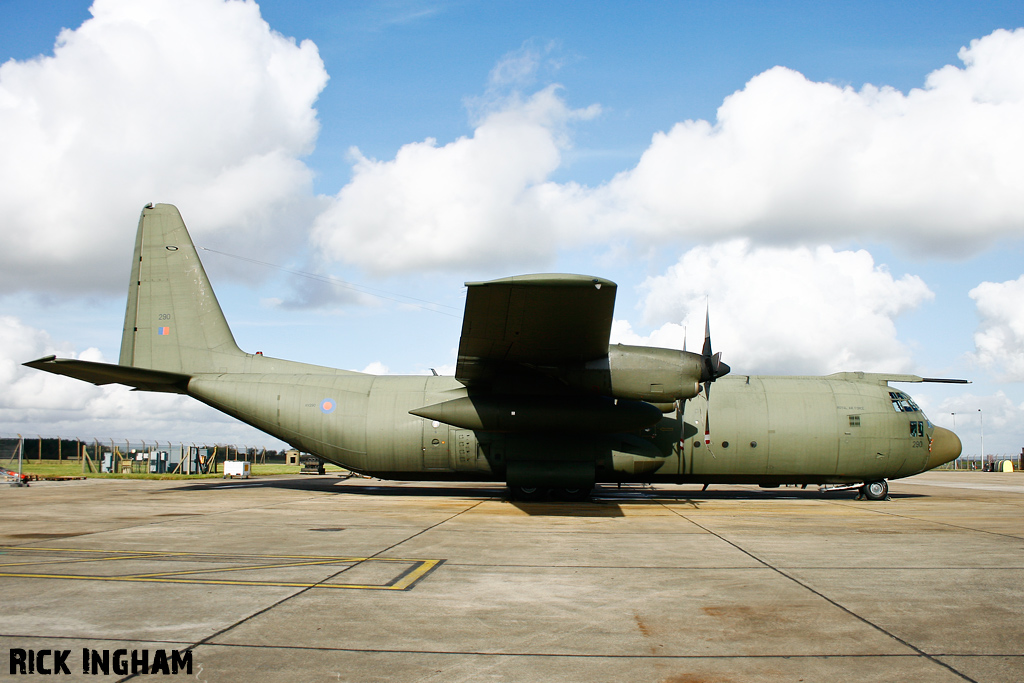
(902, 403)
(917, 428)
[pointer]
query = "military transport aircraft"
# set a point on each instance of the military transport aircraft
(539, 400)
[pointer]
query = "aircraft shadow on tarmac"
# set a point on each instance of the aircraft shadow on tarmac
(605, 502)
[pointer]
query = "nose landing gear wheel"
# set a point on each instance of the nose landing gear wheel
(875, 490)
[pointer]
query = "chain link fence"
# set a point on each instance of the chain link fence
(125, 456)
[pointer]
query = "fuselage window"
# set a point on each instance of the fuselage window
(855, 420)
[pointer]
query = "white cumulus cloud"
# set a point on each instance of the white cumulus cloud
(996, 417)
(782, 310)
(999, 340)
(375, 368)
(36, 402)
(788, 160)
(472, 202)
(937, 169)
(193, 102)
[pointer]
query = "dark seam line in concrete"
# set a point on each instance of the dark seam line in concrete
(429, 528)
(322, 648)
(573, 655)
(479, 532)
(606, 566)
(193, 646)
(928, 521)
(210, 637)
(830, 600)
(474, 653)
(451, 563)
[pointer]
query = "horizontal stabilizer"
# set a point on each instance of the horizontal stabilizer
(108, 373)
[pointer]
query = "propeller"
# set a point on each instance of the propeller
(713, 369)
(713, 365)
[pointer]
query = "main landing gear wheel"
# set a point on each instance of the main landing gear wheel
(575, 494)
(875, 490)
(528, 493)
(535, 493)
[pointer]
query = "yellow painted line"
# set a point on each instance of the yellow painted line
(90, 550)
(84, 559)
(402, 585)
(147, 554)
(403, 581)
(416, 574)
(245, 568)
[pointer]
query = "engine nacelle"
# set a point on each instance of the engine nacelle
(642, 373)
(538, 414)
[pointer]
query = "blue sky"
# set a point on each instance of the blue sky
(837, 218)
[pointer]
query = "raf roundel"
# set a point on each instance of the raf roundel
(328, 405)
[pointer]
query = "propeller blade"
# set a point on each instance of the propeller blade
(707, 428)
(713, 365)
(712, 368)
(706, 351)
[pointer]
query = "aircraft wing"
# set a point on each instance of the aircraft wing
(528, 321)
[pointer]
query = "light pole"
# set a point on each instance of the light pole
(981, 418)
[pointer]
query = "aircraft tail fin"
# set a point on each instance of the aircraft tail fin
(173, 322)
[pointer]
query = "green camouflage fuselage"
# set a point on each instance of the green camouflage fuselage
(764, 430)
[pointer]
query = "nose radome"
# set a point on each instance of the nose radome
(945, 447)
